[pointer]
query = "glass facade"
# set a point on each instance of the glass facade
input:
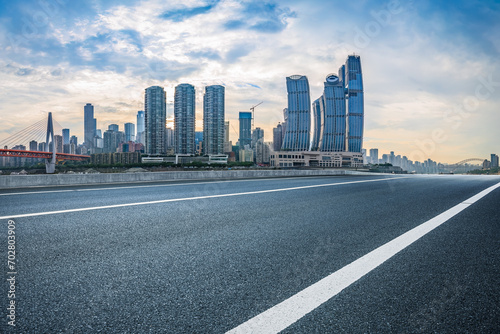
(184, 119)
(317, 124)
(333, 116)
(155, 117)
(298, 124)
(213, 120)
(245, 129)
(89, 124)
(355, 103)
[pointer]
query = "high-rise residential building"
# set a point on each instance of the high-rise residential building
(33, 145)
(129, 132)
(299, 109)
(213, 120)
(42, 147)
(89, 125)
(155, 118)
(140, 127)
(494, 160)
(245, 129)
(184, 119)
(169, 139)
(277, 137)
(113, 127)
(112, 140)
(228, 144)
(355, 103)
(374, 155)
(58, 140)
(65, 134)
(257, 134)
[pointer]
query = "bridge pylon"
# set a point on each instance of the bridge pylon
(50, 164)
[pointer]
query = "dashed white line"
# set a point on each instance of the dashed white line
(284, 314)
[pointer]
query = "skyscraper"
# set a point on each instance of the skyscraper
(245, 129)
(374, 155)
(277, 137)
(184, 119)
(299, 110)
(213, 120)
(114, 127)
(140, 127)
(129, 132)
(89, 124)
(155, 118)
(257, 134)
(65, 134)
(332, 106)
(355, 103)
(317, 124)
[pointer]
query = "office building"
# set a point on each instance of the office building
(89, 124)
(155, 118)
(140, 127)
(184, 119)
(73, 140)
(494, 161)
(355, 103)
(299, 109)
(213, 120)
(316, 109)
(113, 127)
(245, 129)
(65, 134)
(332, 114)
(129, 132)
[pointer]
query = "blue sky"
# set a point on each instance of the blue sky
(431, 69)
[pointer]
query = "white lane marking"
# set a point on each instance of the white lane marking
(284, 314)
(192, 198)
(181, 183)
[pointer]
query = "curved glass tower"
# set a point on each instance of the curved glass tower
(298, 125)
(184, 119)
(333, 116)
(355, 103)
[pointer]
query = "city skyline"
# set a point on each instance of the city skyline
(431, 78)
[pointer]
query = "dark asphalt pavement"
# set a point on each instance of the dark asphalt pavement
(207, 265)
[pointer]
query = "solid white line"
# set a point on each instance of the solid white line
(284, 314)
(151, 186)
(190, 198)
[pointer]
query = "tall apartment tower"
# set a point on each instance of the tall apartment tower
(184, 119)
(89, 125)
(129, 132)
(299, 119)
(355, 102)
(155, 117)
(213, 120)
(140, 127)
(245, 129)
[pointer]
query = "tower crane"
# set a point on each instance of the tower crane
(253, 111)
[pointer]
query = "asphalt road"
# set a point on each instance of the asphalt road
(206, 257)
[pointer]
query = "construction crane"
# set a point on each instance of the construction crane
(253, 111)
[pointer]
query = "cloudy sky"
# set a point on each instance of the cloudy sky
(431, 68)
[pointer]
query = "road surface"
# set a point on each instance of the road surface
(297, 255)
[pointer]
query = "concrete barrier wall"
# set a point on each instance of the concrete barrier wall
(23, 181)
